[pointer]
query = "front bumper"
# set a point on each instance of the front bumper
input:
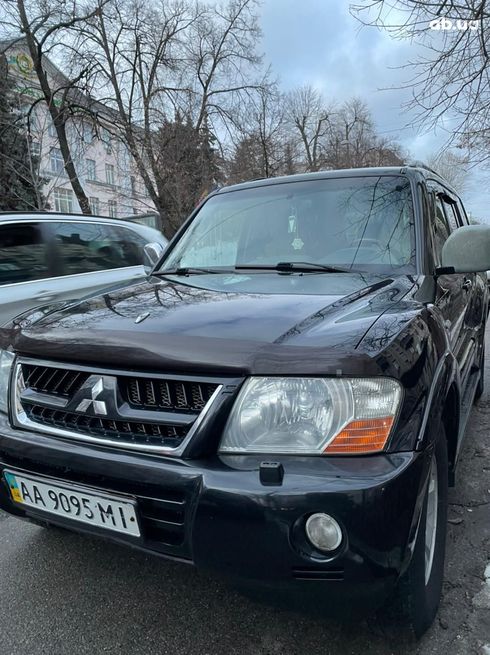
(217, 514)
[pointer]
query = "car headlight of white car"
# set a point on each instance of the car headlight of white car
(6, 361)
(312, 416)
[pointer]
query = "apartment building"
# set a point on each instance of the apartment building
(103, 162)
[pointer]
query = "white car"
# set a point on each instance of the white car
(48, 257)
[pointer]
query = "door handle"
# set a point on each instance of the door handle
(467, 284)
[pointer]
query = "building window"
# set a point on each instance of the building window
(94, 205)
(109, 174)
(63, 201)
(52, 129)
(56, 161)
(107, 140)
(90, 169)
(133, 185)
(87, 133)
(112, 204)
(29, 118)
(35, 149)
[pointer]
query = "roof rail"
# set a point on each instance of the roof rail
(421, 164)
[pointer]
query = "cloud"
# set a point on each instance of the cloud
(318, 42)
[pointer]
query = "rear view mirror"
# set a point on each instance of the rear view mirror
(152, 253)
(467, 250)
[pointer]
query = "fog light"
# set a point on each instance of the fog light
(323, 532)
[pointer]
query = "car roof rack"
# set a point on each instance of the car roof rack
(421, 164)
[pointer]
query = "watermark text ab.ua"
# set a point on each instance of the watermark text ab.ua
(443, 23)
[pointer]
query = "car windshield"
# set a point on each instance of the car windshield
(356, 223)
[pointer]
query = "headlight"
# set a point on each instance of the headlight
(6, 361)
(312, 416)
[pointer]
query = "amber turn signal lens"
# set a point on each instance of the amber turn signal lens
(361, 437)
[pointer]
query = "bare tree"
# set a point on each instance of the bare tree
(330, 136)
(156, 61)
(131, 48)
(353, 141)
(179, 86)
(260, 145)
(221, 54)
(450, 79)
(310, 117)
(452, 167)
(45, 27)
(351, 136)
(20, 182)
(268, 120)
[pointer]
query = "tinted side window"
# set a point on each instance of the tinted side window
(462, 213)
(23, 253)
(440, 228)
(131, 244)
(452, 215)
(88, 247)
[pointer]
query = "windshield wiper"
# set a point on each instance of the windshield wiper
(282, 267)
(192, 270)
(293, 267)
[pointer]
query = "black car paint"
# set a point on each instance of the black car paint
(243, 529)
(391, 326)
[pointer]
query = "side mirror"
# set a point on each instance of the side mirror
(152, 253)
(467, 250)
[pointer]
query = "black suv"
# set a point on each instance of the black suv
(283, 400)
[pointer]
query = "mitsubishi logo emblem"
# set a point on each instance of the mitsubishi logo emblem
(98, 406)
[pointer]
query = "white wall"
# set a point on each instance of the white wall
(127, 201)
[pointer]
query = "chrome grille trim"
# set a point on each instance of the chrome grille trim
(21, 419)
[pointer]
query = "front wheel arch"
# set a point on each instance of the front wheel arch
(442, 406)
(416, 597)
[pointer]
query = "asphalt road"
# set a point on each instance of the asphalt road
(61, 594)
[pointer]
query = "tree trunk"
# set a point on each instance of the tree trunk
(57, 115)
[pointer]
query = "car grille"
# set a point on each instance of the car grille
(109, 428)
(147, 393)
(139, 411)
(45, 379)
(166, 394)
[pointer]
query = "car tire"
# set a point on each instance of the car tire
(480, 387)
(419, 590)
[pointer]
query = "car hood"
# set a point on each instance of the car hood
(198, 325)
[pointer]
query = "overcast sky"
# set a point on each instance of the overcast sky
(319, 42)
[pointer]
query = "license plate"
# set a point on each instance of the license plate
(73, 502)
